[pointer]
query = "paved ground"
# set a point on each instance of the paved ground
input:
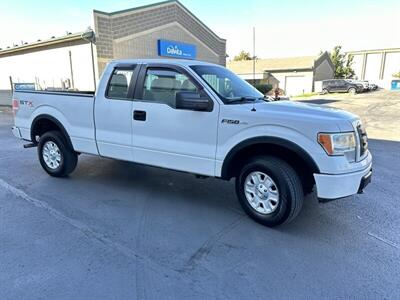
(379, 110)
(116, 230)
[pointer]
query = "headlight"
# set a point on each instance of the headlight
(339, 144)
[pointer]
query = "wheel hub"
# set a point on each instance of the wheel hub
(261, 192)
(262, 189)
(51, 155)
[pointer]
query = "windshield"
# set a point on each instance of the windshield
(230, 87)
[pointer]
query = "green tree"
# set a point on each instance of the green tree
(343, 64)
(243, 55)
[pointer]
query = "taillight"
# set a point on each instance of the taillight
(15, 106)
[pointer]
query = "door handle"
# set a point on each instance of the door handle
(139, 115)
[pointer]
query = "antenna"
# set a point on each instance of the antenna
(254, 55)
(254, 64)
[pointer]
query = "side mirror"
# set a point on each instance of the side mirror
(198, 101)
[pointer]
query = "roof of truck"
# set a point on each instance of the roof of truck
(181, 62)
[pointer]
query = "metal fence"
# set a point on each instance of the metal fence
(5, 97)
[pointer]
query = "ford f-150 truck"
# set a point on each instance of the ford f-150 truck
(200, 118)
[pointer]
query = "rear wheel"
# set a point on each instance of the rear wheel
(56, 158)
(269, 190)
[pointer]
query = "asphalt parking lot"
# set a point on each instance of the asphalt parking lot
(117, 230)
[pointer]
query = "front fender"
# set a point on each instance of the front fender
(283, 136)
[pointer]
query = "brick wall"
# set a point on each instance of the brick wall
(134, 33)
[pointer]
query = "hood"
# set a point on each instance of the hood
(297, 114)
(307, 110)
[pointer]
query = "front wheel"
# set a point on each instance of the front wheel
(56, 158)
(269, 191)
(324, 92)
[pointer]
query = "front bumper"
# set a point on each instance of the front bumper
(331, 187)
(16, 132)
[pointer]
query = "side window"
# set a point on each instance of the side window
(118, 87)
(222, 85)
(161, 85)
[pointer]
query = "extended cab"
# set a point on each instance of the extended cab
(201, 118)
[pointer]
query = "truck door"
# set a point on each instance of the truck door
(341, 86)
(113, 112)
(166, 136)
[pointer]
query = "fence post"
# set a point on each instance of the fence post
(11, 83)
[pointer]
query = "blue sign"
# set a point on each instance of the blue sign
(395, 85)
(176, 49)
(24, 86)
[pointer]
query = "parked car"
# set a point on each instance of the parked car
(341, 86)
(373, 87)
(366, 84)
(203, 119)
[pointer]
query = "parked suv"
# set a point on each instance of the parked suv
(341, 86)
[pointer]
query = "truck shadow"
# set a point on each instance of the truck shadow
(176, 189)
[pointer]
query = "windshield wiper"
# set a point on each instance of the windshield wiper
(243, 99)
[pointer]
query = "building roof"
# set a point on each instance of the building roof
(370, 51)
(54, 41)
(274, 64)
(167, 2)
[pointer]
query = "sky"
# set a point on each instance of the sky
(283, 28)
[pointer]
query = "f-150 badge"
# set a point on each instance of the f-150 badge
(229, 121)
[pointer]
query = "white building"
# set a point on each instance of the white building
(295, 75)
(71, 61)
(376, 66)
(54, 63)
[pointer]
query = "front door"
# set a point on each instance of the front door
(166, 136)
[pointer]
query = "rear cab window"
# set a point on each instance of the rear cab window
(121, 84)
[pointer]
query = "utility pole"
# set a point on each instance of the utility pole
(93, 68)
(254, 55)
(72, 72)
(11, 84)
(91, 38)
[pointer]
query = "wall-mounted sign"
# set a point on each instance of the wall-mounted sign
(24, 86)
(176, 49)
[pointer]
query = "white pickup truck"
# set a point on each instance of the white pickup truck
(201, 118)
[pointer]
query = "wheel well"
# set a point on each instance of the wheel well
(296, 157)
(43, 124)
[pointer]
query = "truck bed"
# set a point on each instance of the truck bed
(73, 109)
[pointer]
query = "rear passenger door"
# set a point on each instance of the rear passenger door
(166, 136)
(113, 113)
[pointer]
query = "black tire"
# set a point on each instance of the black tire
(69, 158)
(288, 184)
(352, 91)
(325, 91)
